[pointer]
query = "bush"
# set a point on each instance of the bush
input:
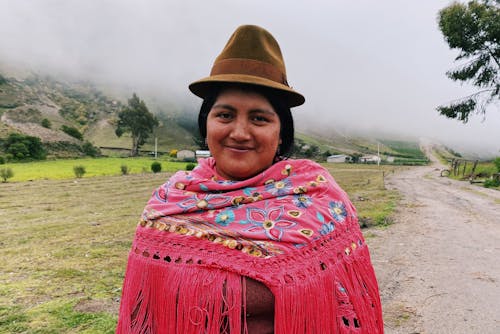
(156, 167)
(2, 160)
(491, 183)
(73, 132)
(496, 162)
(124, 169)
(190, 166)
(91, 150)
(6, 173)
(46, 123)
(22, 147)
(79, 171)
(173, 153)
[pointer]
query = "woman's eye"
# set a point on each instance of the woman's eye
(224, 115)
(260, 119)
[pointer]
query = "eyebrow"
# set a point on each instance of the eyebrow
(231, 108)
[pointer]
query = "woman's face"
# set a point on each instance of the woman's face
(243, 133)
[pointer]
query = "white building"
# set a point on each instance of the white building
(202, 154)
(337, 158)
(370, 159)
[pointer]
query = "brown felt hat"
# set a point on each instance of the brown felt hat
(251, 56)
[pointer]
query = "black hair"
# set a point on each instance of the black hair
(276, 101)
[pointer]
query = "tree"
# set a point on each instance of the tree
(136, 119)
(473, 29)
(23, 147)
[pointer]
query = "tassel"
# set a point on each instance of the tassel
(183, 298)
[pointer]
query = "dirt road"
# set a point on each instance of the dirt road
(438, 266)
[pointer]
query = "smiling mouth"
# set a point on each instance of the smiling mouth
(239, 148)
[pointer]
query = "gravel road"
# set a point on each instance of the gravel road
(438, 265)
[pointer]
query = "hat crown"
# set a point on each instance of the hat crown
(251, 57)
(256, 43)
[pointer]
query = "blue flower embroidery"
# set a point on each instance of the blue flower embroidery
(302, 201)
(279, 188)
(327, 228)
(225, 217)
(338, 211)
(249, 191)
(269, 220)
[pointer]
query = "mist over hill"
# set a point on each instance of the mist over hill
(28, 99)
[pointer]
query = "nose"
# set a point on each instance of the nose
(240, 130)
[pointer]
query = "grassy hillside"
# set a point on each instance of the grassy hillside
(26, 103)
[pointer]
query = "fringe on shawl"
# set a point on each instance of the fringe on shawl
(187, 298)
(184, 299)
(343, 299)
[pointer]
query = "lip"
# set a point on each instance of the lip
(239, 149)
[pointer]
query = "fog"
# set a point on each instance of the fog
(364, 66)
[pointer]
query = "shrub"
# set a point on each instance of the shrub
(156, 167)
(2, 160)
(173, 153)
(79, 171)
(72, 131)
(22, 147)
(124, 169)
(46, 123)
(6, 173)
(90, 150)
(190, 166)
(491, 183)
(496, 162)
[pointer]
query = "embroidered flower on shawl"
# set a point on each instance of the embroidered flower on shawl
(161, 194)
(302, 201)
(327, 228)
(269, 220)
(225, 182)
(252, 194)
(208, 202)
(225, 217)
(338, 210)
(279, 188)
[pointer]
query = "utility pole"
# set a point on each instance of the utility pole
(378, 154)
(156, 147)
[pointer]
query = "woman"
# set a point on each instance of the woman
(249, 242)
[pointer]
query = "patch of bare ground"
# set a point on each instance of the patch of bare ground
(36, 130)
(437, 265)
(98, 306)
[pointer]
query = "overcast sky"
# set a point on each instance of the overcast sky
(363, 64)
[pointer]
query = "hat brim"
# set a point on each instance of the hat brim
(203, 87)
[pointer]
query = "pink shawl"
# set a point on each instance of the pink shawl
(290, 227)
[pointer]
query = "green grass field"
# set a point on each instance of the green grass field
(63, 169)
(65, 241)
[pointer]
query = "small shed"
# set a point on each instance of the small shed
(185, 154)
(370, 159)
(202, 154)
(337, 158)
